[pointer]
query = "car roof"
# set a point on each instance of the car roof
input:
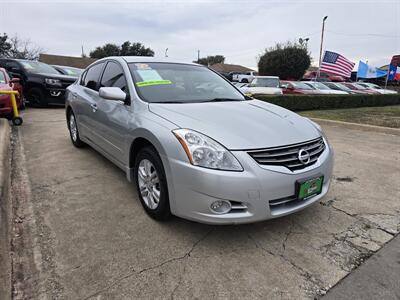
(139, 59)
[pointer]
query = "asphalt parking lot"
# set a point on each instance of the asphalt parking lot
(86, 236)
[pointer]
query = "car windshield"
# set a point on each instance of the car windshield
(359, 87)
(319, 85)
(38, 67)
(71, 71)
(2, 77)
(301, 85)
(181, 83)
(265, 82)
(343, 87)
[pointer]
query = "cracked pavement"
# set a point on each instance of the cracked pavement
(91, 239)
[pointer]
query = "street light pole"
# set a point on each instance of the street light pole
(166, 52)
(320, 49)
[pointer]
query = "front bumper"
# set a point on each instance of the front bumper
(255, 192)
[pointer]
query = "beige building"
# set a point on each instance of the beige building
(70, 61)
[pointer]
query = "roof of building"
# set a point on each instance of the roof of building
(229, 68)
(70, 61)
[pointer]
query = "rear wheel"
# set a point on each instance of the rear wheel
(73, 131)
(152, 184)
(244, 81)
(36, 97)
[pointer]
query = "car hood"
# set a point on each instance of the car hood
(332, 92)
(57, 76)
(240, 125)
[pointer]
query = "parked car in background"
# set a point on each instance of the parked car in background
(70, 71)
(244, 77)
(297, 87)
(312, 75)
(8, 84)
(263, 85)
(376, 88)
(359, 88)
(340, 87)
(209, 155)
(42, 84)
(324, 89)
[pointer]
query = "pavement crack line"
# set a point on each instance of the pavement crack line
(317, 288)
(182, 257)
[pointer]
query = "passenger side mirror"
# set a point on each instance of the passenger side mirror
(112, 93)
(284, 86)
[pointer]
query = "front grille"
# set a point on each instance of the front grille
(288, 156)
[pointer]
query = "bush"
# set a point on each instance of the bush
(305, 102)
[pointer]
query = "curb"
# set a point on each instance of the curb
(363, 127)
(5, 210)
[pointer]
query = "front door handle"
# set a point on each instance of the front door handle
(94, 107)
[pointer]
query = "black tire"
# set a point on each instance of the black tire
(22, 106)
(162, 212)
(75, 139)
(244, 81)
(17, 121)
(36, 98)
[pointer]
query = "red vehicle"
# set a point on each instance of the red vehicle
(297, 88)
(8, 84)
(359, 88)
(311, 75)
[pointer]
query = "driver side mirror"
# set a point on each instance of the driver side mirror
(284, 86)
(112, 93)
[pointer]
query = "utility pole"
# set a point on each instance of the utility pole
(320, 49)
(166, 52)
(198, 56)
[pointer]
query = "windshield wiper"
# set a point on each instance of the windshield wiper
(223, 100)
(167, 102)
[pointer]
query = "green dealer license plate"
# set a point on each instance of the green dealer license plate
(310, 187)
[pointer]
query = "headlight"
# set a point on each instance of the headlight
(51, 81)
(204, 152)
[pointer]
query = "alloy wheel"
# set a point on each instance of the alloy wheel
(72, 127)
(149, 184)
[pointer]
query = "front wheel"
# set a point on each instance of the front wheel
(73, 131)
(151, 184)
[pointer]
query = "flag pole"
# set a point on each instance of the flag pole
(320, 48)
(387, 76)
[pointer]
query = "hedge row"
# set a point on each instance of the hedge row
(304, 102)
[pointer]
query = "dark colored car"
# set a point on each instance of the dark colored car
(70, 71)
(297, 87)
(42, 84)
(8, 84)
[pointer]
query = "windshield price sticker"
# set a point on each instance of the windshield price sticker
(152, 82)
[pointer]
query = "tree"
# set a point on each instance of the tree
(288, 61)
(16, 47)
(5, 46)
(211, 60)
(126, 49)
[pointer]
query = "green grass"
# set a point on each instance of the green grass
(387, 116)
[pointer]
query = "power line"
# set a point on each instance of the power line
(363, 34)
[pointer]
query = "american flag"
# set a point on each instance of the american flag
(336, 64)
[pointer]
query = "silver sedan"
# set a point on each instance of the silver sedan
(194, 145)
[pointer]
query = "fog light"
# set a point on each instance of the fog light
(221, 207)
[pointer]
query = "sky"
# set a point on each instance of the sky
(240, 30)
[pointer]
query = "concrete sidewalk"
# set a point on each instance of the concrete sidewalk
(377, 278)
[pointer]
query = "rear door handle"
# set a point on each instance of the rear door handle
(94, 107)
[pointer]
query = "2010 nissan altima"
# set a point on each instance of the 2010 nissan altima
(194, 145)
